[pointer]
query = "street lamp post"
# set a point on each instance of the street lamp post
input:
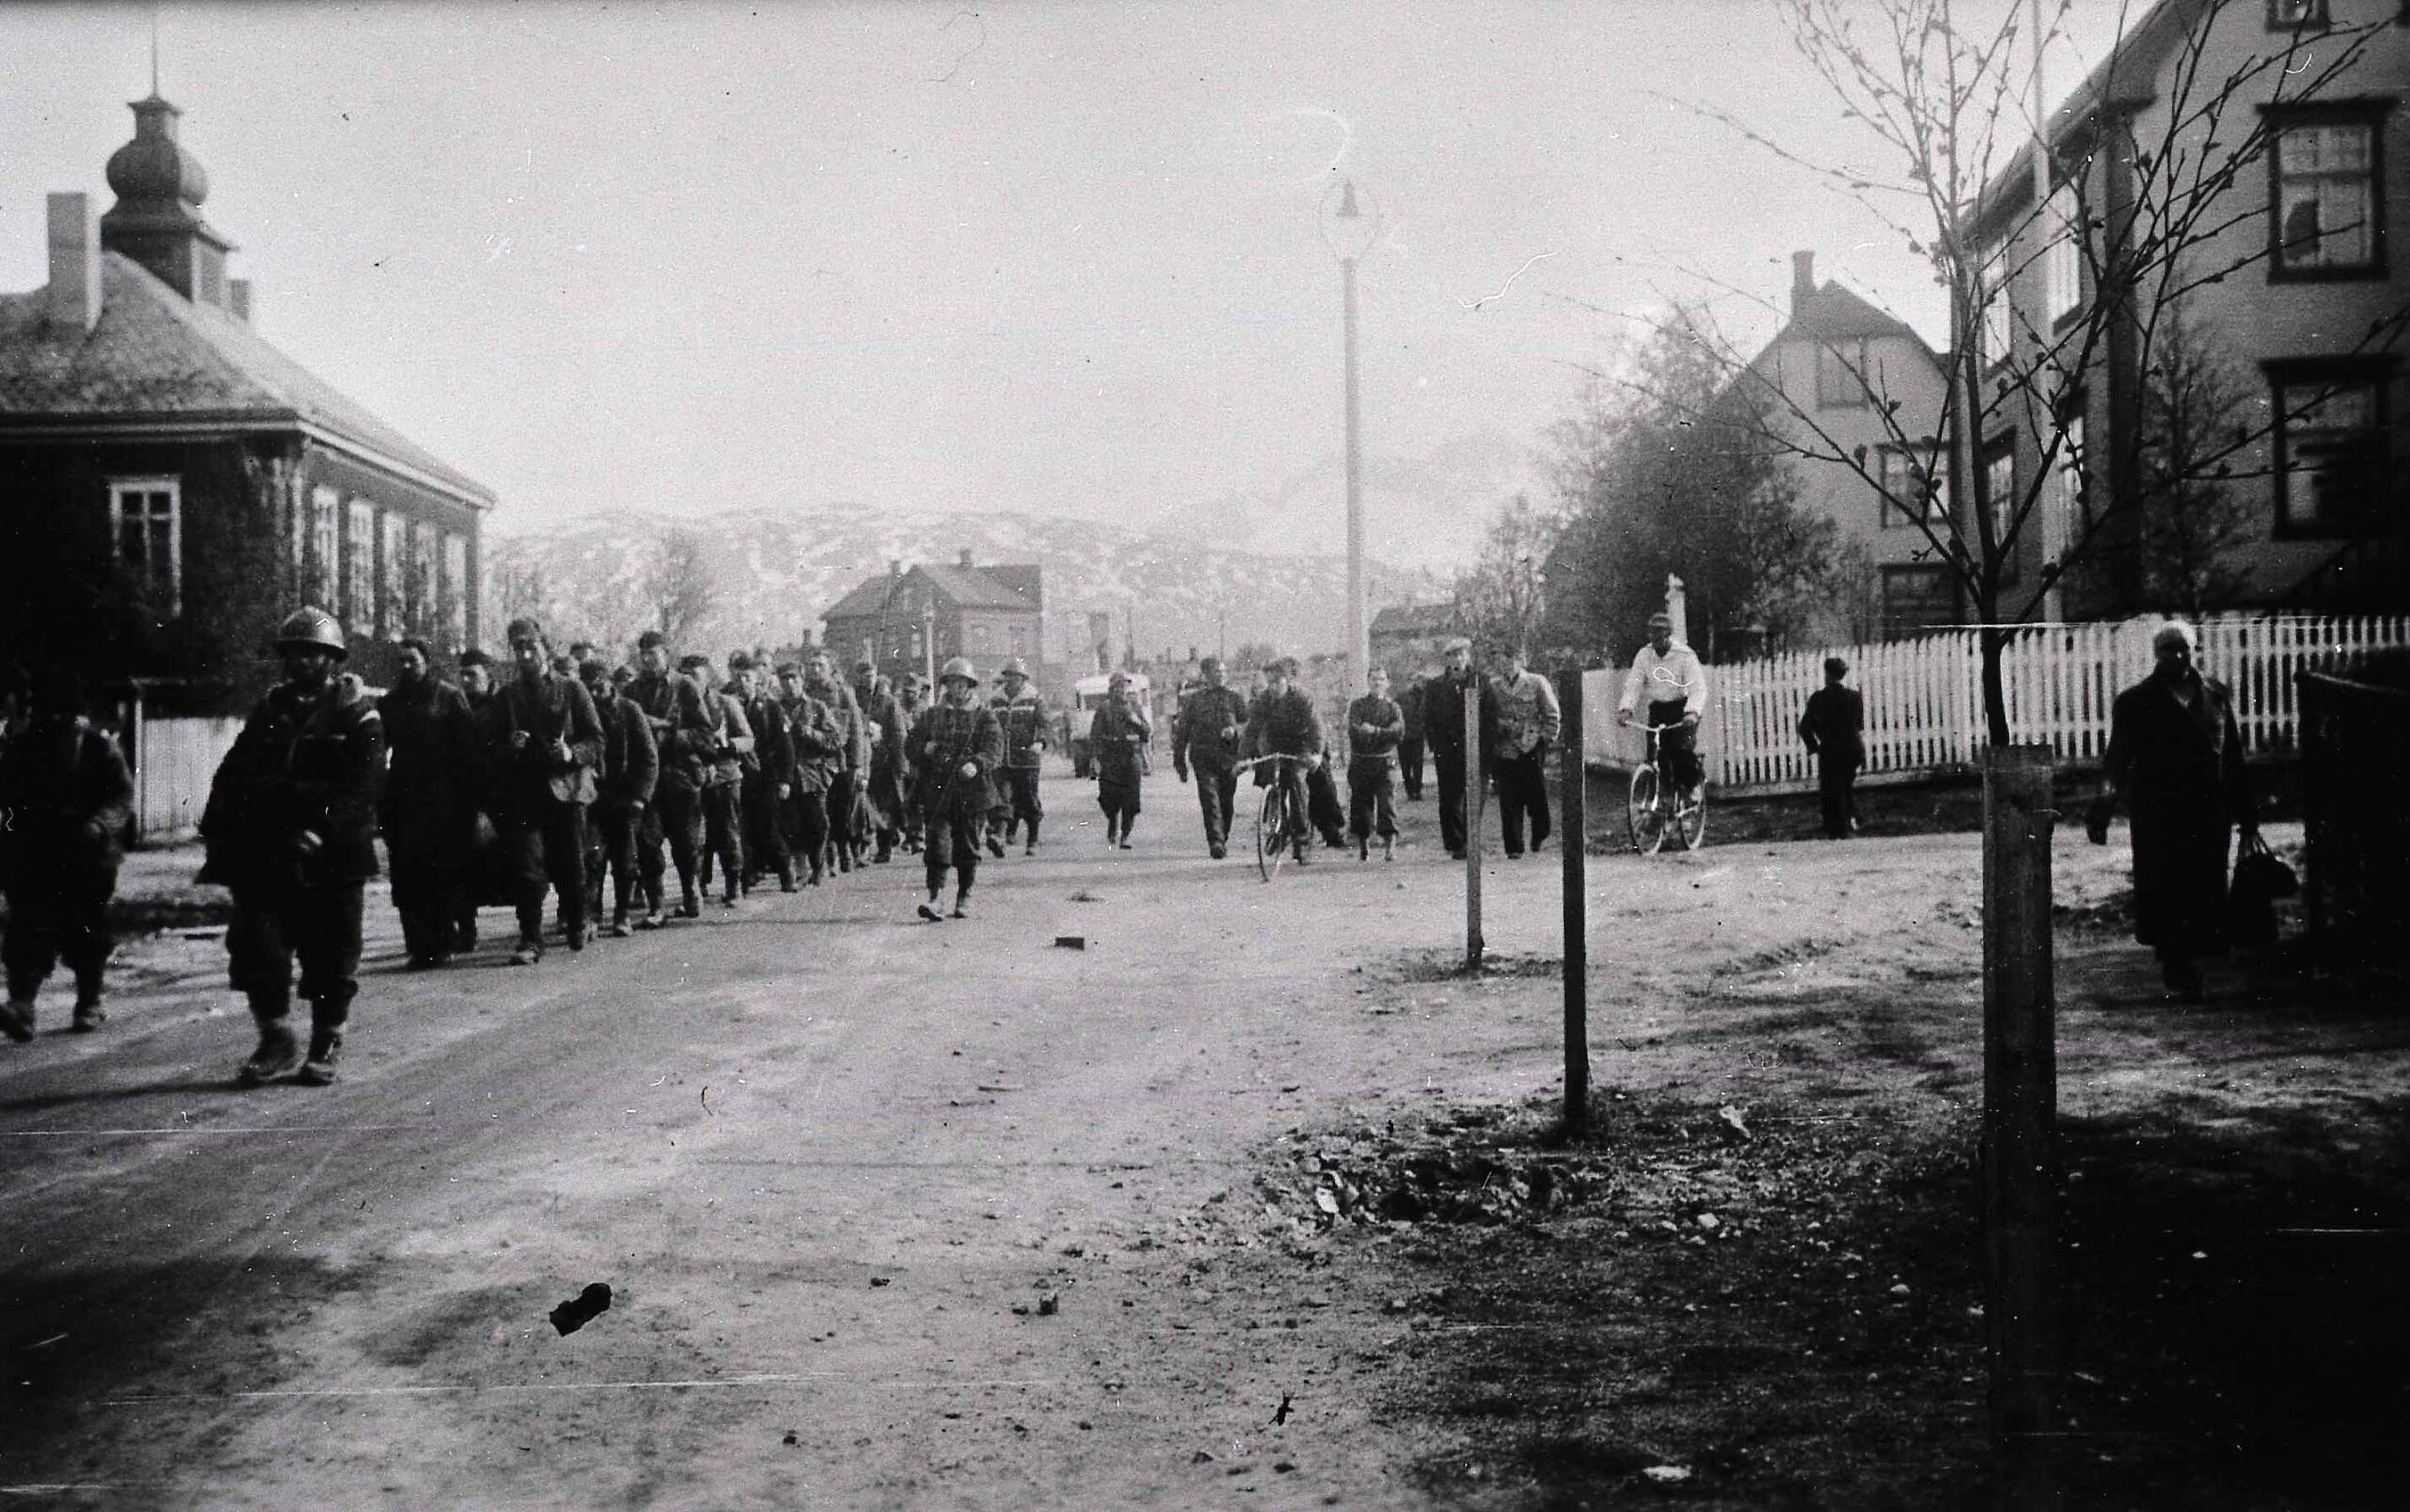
(1351, 234)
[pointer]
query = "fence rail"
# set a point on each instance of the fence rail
(1924, 705)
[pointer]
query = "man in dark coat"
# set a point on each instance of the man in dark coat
(1409, 745)
(624, 781)
(812, 732)
(1374, 722)
(429, 810)
(768, 782)
(883, 787)
(1443, 730)
(1208, 736)
(722, 741)
(484, 880)
(1283, 722)
(291, 830)
(1118, 738)
(2175, 757)
(65, 798)
(543, 740)
(959, 745)
(1021, 715)
(676, 816)
(1833, 728)
(820, 680)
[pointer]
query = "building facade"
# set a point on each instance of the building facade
(171, 485)
(1869, 386)
(2279, 362)
(985, 613)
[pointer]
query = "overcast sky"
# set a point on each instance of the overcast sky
(1058, 258)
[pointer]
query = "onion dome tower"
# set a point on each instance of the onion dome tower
(156, 221)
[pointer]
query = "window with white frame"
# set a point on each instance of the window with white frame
(1996, 323)
(2062, 257)
(325, 536)
(360, 567)
(146, 517)
(456, 587)
(422, 578)
(1999, 494)
(395, 560)
(2326, 197)
(1841, 373)
(2291, 15)
(2331, 451)
(1915, 484)
(2066, 496)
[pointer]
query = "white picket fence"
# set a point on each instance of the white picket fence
(1924, 707)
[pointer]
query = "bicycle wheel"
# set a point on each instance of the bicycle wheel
(1646, 819)
(1689, 820)
(1271, 831)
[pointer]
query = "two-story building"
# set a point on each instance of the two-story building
(985, 613)
(1868, 384)
(171, 485)
(2288, 326)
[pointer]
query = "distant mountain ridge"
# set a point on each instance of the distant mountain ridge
(774, 571)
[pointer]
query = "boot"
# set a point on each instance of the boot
(1363, 848)
(1112, 835)
(962, 904)
(90, 1015)
(995, 845)
(929, 911)
(619, 921)
(326, 1048)
(786, 877)
(1389, 847)
(278, 1054)
(17, 1019)
(1031, 850)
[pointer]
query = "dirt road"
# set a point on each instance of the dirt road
(893, 1214)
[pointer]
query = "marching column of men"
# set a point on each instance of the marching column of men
(562, 775)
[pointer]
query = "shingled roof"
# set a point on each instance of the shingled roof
(155, 356)
(966, 587)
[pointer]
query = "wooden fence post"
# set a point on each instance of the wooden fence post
(1575, 840)
(2021, 1096)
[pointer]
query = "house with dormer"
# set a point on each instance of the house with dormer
(171, 485)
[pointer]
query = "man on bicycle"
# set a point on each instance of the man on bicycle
(1670, 679)
(1283, 723)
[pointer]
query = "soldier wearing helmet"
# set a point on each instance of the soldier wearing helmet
(291, 829)
(958, 745)
(1021, 715)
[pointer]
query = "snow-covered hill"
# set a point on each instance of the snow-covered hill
(773, 571)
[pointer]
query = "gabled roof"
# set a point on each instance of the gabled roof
(965, 587)
(1833, 313)
(1414, 619)
(155, 356)
(969, 588)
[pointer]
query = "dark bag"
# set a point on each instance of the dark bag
(2259, 881)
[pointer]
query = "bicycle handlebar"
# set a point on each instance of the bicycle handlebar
(1276, 756)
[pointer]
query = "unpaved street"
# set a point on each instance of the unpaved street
(900, 1215)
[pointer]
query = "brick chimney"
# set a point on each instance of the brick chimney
(238, 300)
(966, 556)
(1803, 282)
(894, 567)
(75, 265)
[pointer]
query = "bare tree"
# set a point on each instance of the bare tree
(2125, 224)
(680, 586)
(515, 582)
(1504, 595)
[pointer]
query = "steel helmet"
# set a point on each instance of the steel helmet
(1014, 667)
(961, 666)
(311, 629)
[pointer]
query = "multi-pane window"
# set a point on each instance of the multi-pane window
(2062, 256)
(1841, 373)
(1018, 636)
(2066, 493)
(977, 630)
(1995, 324)
(2330, 444)
(395, 619)
(422, 578)
(146, 518)
(456, 587)
(1999, 494)
(2326, 201)
(360, 567)
(325, 541)
(1914, 485)
(1915, 598)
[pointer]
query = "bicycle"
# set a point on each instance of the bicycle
(1280, 819)
(1648, 814)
